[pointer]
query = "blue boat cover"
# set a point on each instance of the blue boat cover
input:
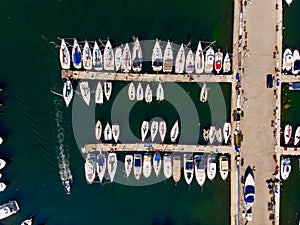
(189, 165)
(137, 163)
(249, 193)
(157, 157)
(189, 175)
(297, 65)
(77, 58)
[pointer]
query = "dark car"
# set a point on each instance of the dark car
(269, 81)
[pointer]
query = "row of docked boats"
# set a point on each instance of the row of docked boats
(109, 132)
(213, 133)
(291, 61)
(138, 93)
(123, 59)
(199, 164)
(288, 130)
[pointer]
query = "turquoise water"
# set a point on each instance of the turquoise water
(30, 69)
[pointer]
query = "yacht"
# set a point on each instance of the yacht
(131, 91)
(190, 62)
(27, 222)
(168, 58)
(64, 55)
(107, 132)
(167, 161)
(67, 184)
(68, 92)
(76, 55)
(157, 58)
(160, 95)
(147, 165)
(90, 170)
(108, 57)
(211, 167)
(101, 166)
(226, 131)
(209, 60)
(226, 64)
(112, 163)
(116, 132)
(287, 133)
(107, 89)
(97, 58)
(8, 209)
(287, 60)
(87, 56)
(297, 136)
(205, 134)
(249, 188)
(296, 63)
(200, 169)
(153, 130)
(137, 56)
(203, 93)
(144, 129)
(148, 94)
(85, 91)
(99, 94)
(219, 135)
(180, 60)
(98, 130)
(128, 164)
(174, 131)
(118, 58)
(162, 130)
(218, 61)
(139, 93)
(224, 166)
(137, 165)
(2, 186)
(285, 167)
(188, 168)
(126, 61)
(2, 164)
(212, 134)
(176, 168)
(199, 59)
(157, 163)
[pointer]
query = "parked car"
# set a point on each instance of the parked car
(269, 81)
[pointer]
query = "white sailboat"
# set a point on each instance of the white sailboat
(209, 60)
(112, 164)
(128, 164)
(200, 169)
(118, 58)
(2, 164)
(2, 186)
(144, 129)
(199, 59)
(108, 57)
(296, 62)
(97, 57)
(140, 92)
(101, 166)
(285, 168)
(99, 94)
(212, 134)
(148, 94)
(174, 131)
(68, 92)
(226, 131)
(219, 135)
(116, 132)
(224, 167)
(107, 89)
(107, 132)
(98, 130)
(157, 58)
(126, 61)
(153, 130)
(162, 130)
(137, 56)
(89, 167)
(64, 56)
(218, 61)
(226, 64)
(137, 166)
(287, 133)
(211, 167)
(131, 91)
(180, 60)
(85, 91)
(289, 2)
(297, 136)
(204, 93)
(176, 168)
(147, 165)
(168, 58)
(157, 163)
(76, 55)
(87, 56)
(188, 168)
(205, 134)
(160, 94)
(287, 60)
(190, 62)
(167, 162)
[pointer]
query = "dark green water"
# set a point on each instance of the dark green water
(290, 22)
(30, 69)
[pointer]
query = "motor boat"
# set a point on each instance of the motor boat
(89, 166)
(199, 59)
(218, 61)
(139, 93)
(296, 63)
(209, 60)
(97, 57)
(287, 60)
(203, 93)
(212, 134)
(200, 169)
(174, 131)
(144, 129)
(98, 130)
(118, 58)
(115, 132)
(160, 95)
(101, 166)
(107, 132)
(8, 209)
(287, 133)
(153, 130)
(126, 59)
(285, 167)
(167, 162)
(85, 91)
(157, 58)
(108, 57)
(211, 167)
(87, 56)
(226, 64)
(131, 91)
(157, 161)
(27, 222)
(107, 89)
(249, 188)
(68, 92)
(128, 164)
(112, 163)
(224, 167)
(162, 130)
(67, 184)
(180, 60)
(188, 168)
(176, 168)
(64, 56)
(147, 165)
(99, 94)
(148, 94)
(76, 55)
(226, 131)
(219, 135)
(190, 62)
(297, 136)
(137, 56)
(205, 134)
(168, 58)
(137, 165)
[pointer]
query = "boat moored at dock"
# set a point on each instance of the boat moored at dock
(112, 163)
(226, 64)
(174, 131)
(160, 95)
(287, 133)
(154, 130)
(97, 57)
(98, 130)
(68, 92)
(144, 129)
(128, 164)
(296, 62)
(188, 168)
(2, 164)
(107, 89)
(287, 60)
(2, 186)
(249, 188)
(157, 58)
(139, 93)
(8, 209)
(89, 166)
(148, 94)
(99, 94)
(137, 56)
(126, 59)
(162, 130)
(218, 61)
(167, 162)
(76, 55)
(131, 91)
(116, 132)
(190, 62)
(157, 161)
(209, 60)
(101, 166)
(224, 167)
(87, 57)
(27, 222)
(226, 131)
(118, 58)
(212, 134)
(211, 167)
(297, 136)
(64, 56)
(176, 168)
(107, 132)
(180, 60)
(147, 165)
(168, 58)
(199, 59)
(203, 93)
(137, 166)
(85, 91)
(285, 167)
(108, 57)
(200, 169)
